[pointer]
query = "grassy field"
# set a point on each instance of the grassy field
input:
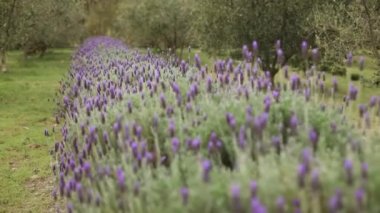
(27, 106)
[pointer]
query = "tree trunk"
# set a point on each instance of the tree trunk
(371, 31)
(5, 46)
(3, 65)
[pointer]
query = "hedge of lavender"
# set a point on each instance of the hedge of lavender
(141, 134)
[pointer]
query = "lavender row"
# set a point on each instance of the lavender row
(143, 134)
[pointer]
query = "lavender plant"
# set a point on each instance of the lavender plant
(140, 134)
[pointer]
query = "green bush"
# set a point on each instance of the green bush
(247, 133)
(338, 70)
(355, 77)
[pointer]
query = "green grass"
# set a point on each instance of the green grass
(27, 107)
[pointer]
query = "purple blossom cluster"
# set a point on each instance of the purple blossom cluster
(144, 134)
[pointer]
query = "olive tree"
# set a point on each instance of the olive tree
(8, 19)
(33, 26)
(229, 24)
(156, 23)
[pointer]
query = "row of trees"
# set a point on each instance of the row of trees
(335, 27)
(214, 25)
(36, 25)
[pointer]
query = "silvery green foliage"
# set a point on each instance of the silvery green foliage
(143, 135)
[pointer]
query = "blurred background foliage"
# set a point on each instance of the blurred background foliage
(219, 27)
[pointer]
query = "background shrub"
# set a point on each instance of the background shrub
(355, 77)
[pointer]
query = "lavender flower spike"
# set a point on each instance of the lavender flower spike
(348, 167)
(235, 197)
(313, 137)
(206, 168)
(280, 204)
(304, 48)
(184, 191)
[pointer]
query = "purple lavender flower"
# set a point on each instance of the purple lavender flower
(353, 91)
(253, 187)
(116, 128)
(373, 101)
(313, 137)
(54, 194)
(242, 137)
(120, 179)
(197, 61)
(235, 197)
(61, 183)
(294, 82)
(175, 145)
(297, 206)
(255, 47)
(183, 67)
(78, 174)
(302, 171)
(171, 128)
(209, 84)
(70, 207)
(267, 104)
(214, 144)
(278, 44)
(315, 55)
(195, 144)
(231, 120)
(307, 158)
(280, 56)
(175, 88)
(162, 100)
(206, 168)
(335, 203)
(361, 63)
(304, 49)
(293, 123)
(66, 101)
(184, 191)
(87, 169)
(349, 58)
(80, 192)
(246, 54)
(276, 95)
(315, 183)
(138, 131)
(348, 167)
(362, 109)
(257, 206)
(280, 204)
(359, 196)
